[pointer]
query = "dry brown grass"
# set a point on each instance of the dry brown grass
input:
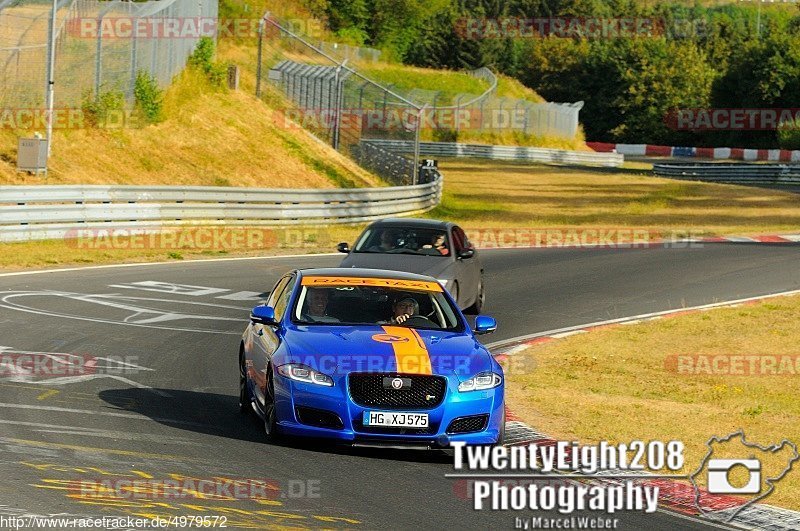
(62, 253)
(483, 194)
(209, 137)
(617, 384)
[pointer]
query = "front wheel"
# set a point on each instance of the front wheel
(454, 292)
(501, 438)
(480, 299)
(244, 393)
(270, 417)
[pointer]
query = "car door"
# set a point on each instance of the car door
(468, 269)
(266, 339)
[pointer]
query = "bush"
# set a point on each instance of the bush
(789, 135)
(445, 135)
(203, 55)
(106, 108)
(203, 58)
(149, 97)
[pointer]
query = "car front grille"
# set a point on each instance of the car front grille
(319, 417)
(469, 424)
(425, 392)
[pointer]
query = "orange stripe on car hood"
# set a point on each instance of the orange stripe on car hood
(411, 355)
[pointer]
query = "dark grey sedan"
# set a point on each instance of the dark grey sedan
(439, 249)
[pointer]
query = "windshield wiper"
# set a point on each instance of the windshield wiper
(405, 251)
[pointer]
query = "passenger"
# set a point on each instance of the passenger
(437, 242)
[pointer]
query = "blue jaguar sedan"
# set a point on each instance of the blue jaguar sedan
(370, 358)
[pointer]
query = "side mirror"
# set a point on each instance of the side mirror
(485, 325)
(263, 315)
(343, 247)
(466, 253)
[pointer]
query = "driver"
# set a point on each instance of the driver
(403, 309)
(388, 239)
(317, 306)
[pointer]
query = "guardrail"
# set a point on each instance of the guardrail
(485, 151)
(49, 212)
(762, 174)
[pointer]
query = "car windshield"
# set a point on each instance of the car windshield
(363, 304)
(404, 240)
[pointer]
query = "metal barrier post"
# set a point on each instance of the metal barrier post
(98, 62)
(260, 33)
(417, 131)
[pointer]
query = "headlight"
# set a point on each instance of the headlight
(303, 373)
(481, 382)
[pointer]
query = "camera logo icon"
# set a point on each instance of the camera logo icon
(720, 471)
(752, 477)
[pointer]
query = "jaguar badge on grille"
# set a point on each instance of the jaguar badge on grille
(397, 384)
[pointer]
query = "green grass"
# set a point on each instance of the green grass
(491, 194)
(405, 78)
(450, 83)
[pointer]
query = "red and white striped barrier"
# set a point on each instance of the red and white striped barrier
(648, 150)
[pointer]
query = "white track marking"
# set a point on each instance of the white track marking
(549, 333)
(93, 432)
(169, 287)
(135, 416)
(65, 380)
(118, 301)
(254, 296)
(173, 262)
(29, 377)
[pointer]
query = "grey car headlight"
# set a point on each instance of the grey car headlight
(481, 382)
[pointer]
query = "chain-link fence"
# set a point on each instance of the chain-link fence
(23, 52)
(324, 94)
(322, 91)
(348, 52)
(498, 115)
(100, 46)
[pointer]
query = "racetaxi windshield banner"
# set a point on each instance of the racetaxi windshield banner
(419, 285)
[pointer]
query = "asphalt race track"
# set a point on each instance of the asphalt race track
(170, 412)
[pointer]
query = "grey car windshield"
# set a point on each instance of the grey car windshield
(368, 305)
(404, 240)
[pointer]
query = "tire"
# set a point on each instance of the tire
(480, 299)
(501, 439)
(270, 418)
(244, 393)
